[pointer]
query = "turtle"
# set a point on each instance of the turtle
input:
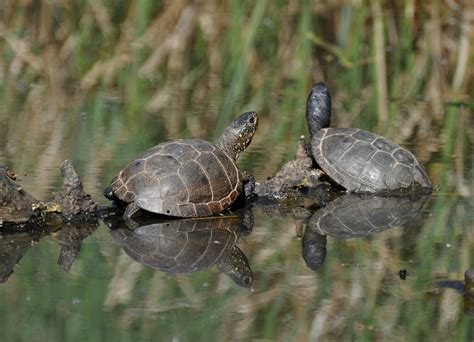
(188, 177)
(357, 215)
(313, 248)
(358, 160)
(189, 245)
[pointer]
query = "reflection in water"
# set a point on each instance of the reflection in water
(102, 88)
(466, 288)
(70, 237)
(14, 245)
(12, 248)
(356, 215)
(189, 245)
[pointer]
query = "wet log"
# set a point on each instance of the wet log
(17, 207)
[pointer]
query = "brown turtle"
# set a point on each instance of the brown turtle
(358, 160)
(188, 177)
(190, 245)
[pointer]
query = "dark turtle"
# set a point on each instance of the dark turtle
(354, 215)
(188, 177)
(189, 245)
(313, 248)
(358, 160)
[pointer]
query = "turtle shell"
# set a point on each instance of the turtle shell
(366, 162)
(354, 215)
(185, 178)
(178, 246)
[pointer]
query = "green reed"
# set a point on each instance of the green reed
(110, 73)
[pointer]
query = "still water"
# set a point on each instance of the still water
(99, 82)
(311, 278)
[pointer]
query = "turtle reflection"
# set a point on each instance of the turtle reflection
(356, 215)
(466, 288)
(190, 245)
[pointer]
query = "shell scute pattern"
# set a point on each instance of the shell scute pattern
(403, 174)
(356, 215)
(197, 182)
(187, 210)
(356, 157)
(179, 150)
(152, 151)
(232, 173)
(161, 165)
(203, 209)
(333, 146)
(364, 161)
(363, 135)
(215, 170)
(358, 160)
(172, 187)
(184, 246)
(384, 144)
(405, 157)
(181, 178)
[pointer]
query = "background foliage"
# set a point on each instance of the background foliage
(99, 81)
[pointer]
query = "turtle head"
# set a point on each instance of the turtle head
(318, 108)
(236, 266)
(313, 249)
(238, 135)
(109, 193)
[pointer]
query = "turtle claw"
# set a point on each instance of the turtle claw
(249, 187)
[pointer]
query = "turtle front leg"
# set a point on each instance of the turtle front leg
(249, 187)
(130, 210)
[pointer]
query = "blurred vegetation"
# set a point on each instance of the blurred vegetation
(100, 80)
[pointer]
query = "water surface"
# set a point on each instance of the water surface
(100, 89)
